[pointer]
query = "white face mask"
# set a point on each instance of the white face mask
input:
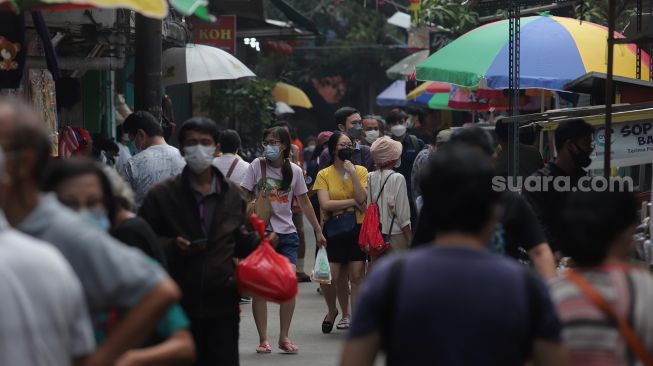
(199, 157)
(96, 218)
(398, 164)
(398, 130)
(371, 136)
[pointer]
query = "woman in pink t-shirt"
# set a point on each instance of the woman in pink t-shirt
(283, 180)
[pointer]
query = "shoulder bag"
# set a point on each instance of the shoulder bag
(593, 296)
(261, 205)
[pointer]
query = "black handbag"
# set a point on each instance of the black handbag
(340, 224)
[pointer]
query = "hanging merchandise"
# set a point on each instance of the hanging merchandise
(46, 42)
(168, 117)
(44, 99)
(12, 49)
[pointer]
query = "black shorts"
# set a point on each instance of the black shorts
(344, 248)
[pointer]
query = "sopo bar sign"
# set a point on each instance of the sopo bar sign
(632, 144)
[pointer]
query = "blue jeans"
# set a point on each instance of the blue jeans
(288, 246)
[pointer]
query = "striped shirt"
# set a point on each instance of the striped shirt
(591, 337)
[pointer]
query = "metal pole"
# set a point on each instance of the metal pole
(609, 90)
(513, 84)
(638, 65)
(147, 76)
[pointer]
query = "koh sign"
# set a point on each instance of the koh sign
(632, 144)
(221, 34)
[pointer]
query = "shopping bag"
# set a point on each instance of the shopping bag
(322, 270)
(265, 273)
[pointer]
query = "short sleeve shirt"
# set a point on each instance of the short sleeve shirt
(589, 335)
(151, 166)
(339, 187)
(457, 306)
(281, 200)
(224, 163)
(112, 274)
(43, 313)
(521, 227)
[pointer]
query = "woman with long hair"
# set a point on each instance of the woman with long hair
(341, 190)
(283, 180)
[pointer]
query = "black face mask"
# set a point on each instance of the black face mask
(355, 131)
(581, 159)
(345, 154)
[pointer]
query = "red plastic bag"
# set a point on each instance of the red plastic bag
(370, 239)
(265, 273)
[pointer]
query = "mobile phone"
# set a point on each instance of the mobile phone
(199, 242)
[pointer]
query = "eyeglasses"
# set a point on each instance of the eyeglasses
(270, 143)
(346, 146)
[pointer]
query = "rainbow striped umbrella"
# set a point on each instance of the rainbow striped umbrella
(554, 51)
(150, 8)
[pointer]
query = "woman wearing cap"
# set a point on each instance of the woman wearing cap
(388, 189)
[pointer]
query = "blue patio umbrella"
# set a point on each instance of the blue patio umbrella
(393, 96)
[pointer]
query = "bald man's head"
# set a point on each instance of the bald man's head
(24, 139)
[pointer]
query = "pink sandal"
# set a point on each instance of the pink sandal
(264, 348)
(288, 348)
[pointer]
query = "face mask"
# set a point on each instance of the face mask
(581, 159)
(124, 138)
(96, 218)
(371, 136)
(409, 122)
(199, 157)
(355, 131)
(345, 154)
(398, 130)
(311, 148)
(272, 152)
(398, 164)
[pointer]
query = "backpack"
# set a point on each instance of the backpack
(371, 239)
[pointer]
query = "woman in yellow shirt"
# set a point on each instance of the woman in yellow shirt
(341, 189)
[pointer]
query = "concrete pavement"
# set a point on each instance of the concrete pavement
(315, 348)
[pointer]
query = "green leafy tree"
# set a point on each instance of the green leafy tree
(596, 11)
(245, 105)
(449, 14)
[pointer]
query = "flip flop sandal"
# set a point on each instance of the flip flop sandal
(327, 326)
(288, 348)
(264, 348)
(344, 323)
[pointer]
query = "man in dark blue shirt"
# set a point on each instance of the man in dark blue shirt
(454, 302)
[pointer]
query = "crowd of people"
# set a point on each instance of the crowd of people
(124, 253)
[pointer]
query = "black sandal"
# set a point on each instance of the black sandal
(327, 326)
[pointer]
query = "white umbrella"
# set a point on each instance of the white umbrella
(283, 108)
(196, 62)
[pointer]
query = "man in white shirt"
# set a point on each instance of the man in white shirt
(44, 315)
(156, 160)
(230, 164)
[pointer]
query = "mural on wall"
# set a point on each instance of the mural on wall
(331, 88)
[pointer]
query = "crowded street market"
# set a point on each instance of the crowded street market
(326, 182)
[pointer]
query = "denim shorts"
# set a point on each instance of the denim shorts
(288, 246)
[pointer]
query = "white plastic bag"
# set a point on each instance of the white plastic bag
(322, 270)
